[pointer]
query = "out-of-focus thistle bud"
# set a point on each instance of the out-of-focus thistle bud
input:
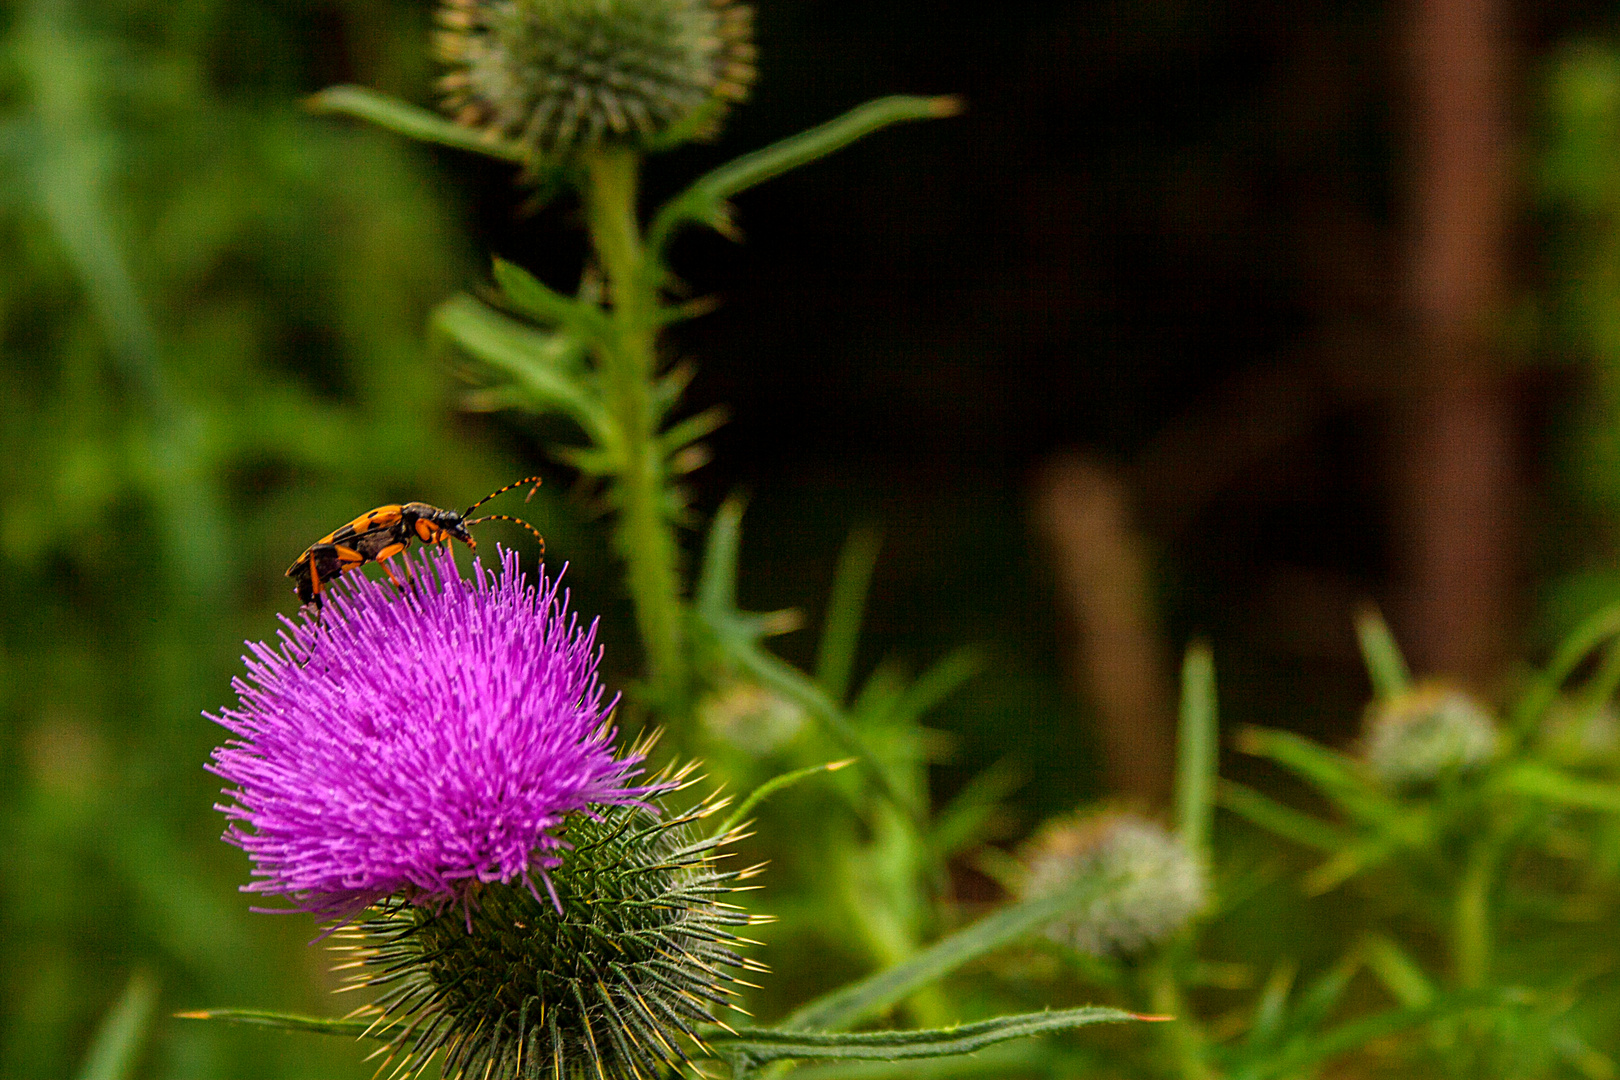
(1150, 884)
(606, 977)
(1430, 731)
(755, 720)
(564, 76)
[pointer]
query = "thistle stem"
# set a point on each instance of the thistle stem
(1471, 916)
(628, 360)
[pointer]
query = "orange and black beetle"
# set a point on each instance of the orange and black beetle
(385, 532)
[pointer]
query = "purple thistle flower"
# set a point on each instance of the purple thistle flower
(417, 743)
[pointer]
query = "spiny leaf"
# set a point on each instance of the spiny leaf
(705, 200)
(403, 118)
(759, 1046)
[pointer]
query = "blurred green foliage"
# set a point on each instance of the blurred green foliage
(212, 350)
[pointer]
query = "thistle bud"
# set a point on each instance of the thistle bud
(1429, 731)
(1151, 885)
(608, 976)
(564, 76)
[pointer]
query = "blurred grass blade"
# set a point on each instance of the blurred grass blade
(1544, 782)
(716, 593)
(1401, 975)
(835, 658)
(705, 200)
(1350, 861)
(1303, 1054)
(965, 820)
(771, 787)
(1336, 776)
(851, 1004)
(1197, 751)
(1386, 667)
(403, 118)
(994, 1063)
(1543, 690)
(319, 1025)
(122, 1032)
(760, 1046)
(1280, 820)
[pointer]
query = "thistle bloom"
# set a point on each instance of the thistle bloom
(414, 745)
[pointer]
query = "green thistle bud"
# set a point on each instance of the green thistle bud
(611, 986)
(1152, 884)
(563, 76)
(1429, 731)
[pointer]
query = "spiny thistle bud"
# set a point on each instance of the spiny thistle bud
(1151, 884)
(1429, 731)
(561, 76)
(607, 978)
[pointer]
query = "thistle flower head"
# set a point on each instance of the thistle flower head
(417, 744)
(609, 982)
(1425, 733)
(1151, 884)
(559, 76)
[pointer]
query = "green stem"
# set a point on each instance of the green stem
(1183, 1035)
(1471, 928)
(645, 537)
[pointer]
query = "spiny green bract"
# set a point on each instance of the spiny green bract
(560, 76)
(611, 987)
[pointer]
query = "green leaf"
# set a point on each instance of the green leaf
(994, 1063)
(539, 362)
(1197, 751)
(1337, 776)
(1401, 975)
(771, 787)
(1274, 817)
(705, 200)
(1302, 1054)
(738, 637)
(851, 1004)
(546, 305)
(964, 821)
(403, 118)
(716, 593)
(680, 435)
(760, 1046)
(846, 606)
(1533, 703)
(122, 1032)
(1385, 664)
(1545, 782)
(319, 1025)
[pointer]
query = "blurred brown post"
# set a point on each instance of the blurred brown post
(1118, 656)
(1458, 452)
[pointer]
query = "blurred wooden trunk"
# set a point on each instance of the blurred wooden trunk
(1459, 513)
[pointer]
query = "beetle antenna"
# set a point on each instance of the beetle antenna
(519, 521)
(503, 491)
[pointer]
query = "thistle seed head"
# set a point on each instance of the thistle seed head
(1425, 733)
(1153, 884)
(606, 976)
(564, 76)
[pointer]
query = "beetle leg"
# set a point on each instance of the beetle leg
(388, 553)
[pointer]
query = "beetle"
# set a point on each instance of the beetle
(382, 533)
